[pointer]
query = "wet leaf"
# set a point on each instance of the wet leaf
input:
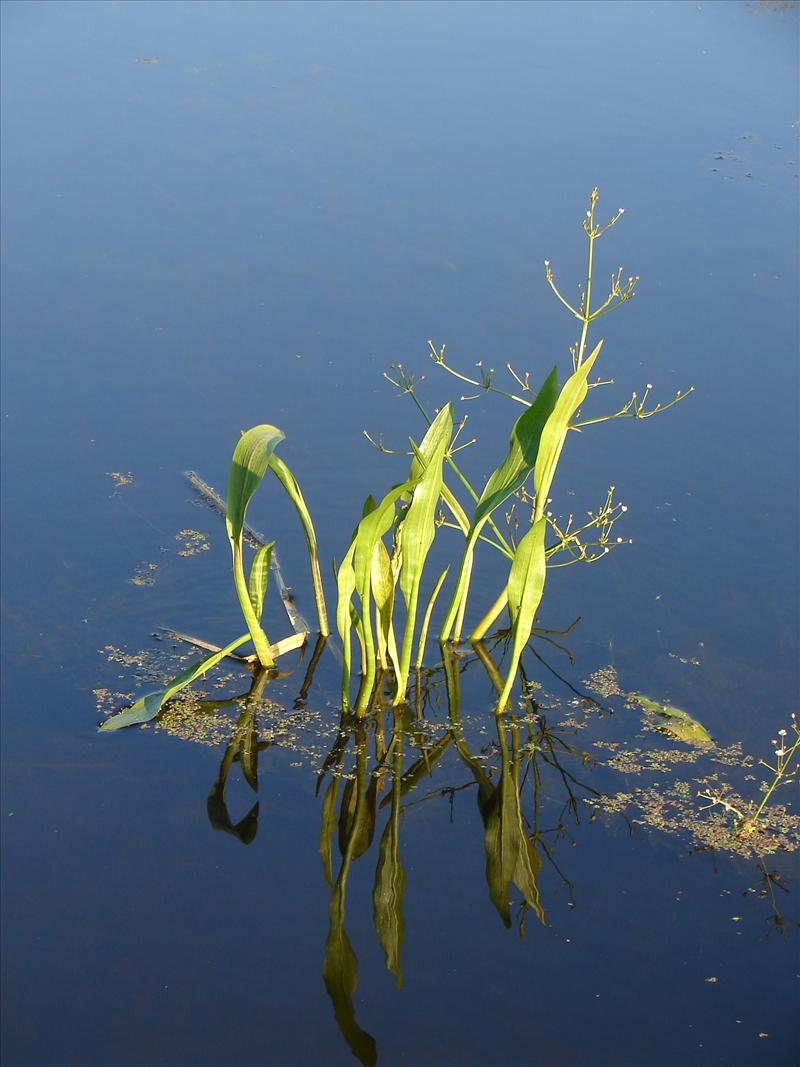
(678, 724)
(149, 705)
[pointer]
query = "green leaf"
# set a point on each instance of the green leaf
(555, 430)
(417, 530)
(525, 588)
(374, 524)
(507, 479)
(345, 586)
(289, 483)
(678, 724)
(383, 581)
(149, 705)
(259, 577)
(250, 460)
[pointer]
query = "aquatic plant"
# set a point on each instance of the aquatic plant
(748, 817)
(537, 440)
(253, 456)
(413, 510)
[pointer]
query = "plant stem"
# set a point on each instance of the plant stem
(480, 630)
(587, 310)
(783, 768)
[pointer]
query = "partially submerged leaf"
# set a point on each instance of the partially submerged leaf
(149, 705)
(678, 724)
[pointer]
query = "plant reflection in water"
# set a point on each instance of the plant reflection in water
(383, 763)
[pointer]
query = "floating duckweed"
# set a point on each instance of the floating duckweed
(145, 574)
(193, 541)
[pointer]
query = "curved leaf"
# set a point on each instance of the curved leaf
(289, 483)
(149, 705)
(250, 460)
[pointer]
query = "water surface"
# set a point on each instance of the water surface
(253, 229)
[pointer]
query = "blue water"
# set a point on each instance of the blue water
(252, 229)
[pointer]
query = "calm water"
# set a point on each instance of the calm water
(252, 229)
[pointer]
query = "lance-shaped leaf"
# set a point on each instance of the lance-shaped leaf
(289, 483)
(371, 529)
(259, 577)
(555, 430)
(507, 479)
(525, 587)
(418, 528)
(345, 586)
(149, 705)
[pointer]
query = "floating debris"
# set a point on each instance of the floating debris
(145, 574)
(194, 542)
(674, 722)
(119, 479)
(604, 682)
